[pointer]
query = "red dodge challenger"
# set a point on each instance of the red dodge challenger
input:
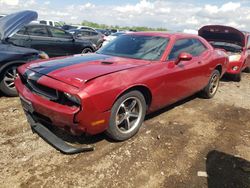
(112, 89)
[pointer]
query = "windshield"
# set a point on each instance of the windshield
(136, 46)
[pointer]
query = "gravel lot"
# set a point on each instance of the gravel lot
(174, 144)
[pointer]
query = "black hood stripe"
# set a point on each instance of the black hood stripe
(52, 65)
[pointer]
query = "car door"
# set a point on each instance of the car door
(86, 35)
(186, 77)
(61, 43)
(39, 37)
(94, 37)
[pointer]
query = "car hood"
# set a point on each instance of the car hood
(223, 34)
(11, 23)
(79, 69)
(10, 52)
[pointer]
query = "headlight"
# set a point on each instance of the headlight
(235, 68)
(72, 98)
(43, 55)
(234, 57)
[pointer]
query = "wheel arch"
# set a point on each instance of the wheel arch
(7, 64)
(146, 92)
(219, 68)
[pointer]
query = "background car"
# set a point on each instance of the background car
(54, 41)
(50, 22)
(12, 56)
(236, 43)
(93, 36)
(112, 90)
(111, 37)
(105, 32)
(70, 27)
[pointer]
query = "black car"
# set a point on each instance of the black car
(52, 40)
(104, 31)
(12, 56)
(93, 36)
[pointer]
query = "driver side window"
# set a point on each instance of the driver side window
(191, 46)
(58, 33)
(182, 45)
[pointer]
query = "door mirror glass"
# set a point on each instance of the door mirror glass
(183, 56)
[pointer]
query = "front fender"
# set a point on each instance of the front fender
(7, 64)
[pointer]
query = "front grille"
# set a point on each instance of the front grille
(29, 79)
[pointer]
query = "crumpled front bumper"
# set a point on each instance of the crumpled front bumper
(53, 139)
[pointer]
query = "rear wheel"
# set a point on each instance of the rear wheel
(210, 90)
(87, 50)
(127, 115)
(7, 85)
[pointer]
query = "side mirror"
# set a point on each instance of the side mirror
(183, 56)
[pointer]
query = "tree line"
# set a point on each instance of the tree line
(133, 28)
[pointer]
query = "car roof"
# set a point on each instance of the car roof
(86, 30)
(37, 24)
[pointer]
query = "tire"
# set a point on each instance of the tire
(127, 115)
(7, 85)
(87, 50)
(210, 90)
(236, 77)
(247, 70)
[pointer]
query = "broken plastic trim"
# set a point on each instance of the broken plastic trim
(54, 140)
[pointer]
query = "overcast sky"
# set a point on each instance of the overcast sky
(175, 15)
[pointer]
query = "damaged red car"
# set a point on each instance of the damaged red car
(113, 89)
(236, 43)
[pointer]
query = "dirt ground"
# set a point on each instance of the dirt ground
(173, 145)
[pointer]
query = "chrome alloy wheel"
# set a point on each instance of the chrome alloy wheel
(9, 77)
(214, 84)
(128, 115)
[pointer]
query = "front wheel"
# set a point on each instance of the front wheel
(247, 70)
(7, 85)
(127, 115)
(210, 90)
(87, 50)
